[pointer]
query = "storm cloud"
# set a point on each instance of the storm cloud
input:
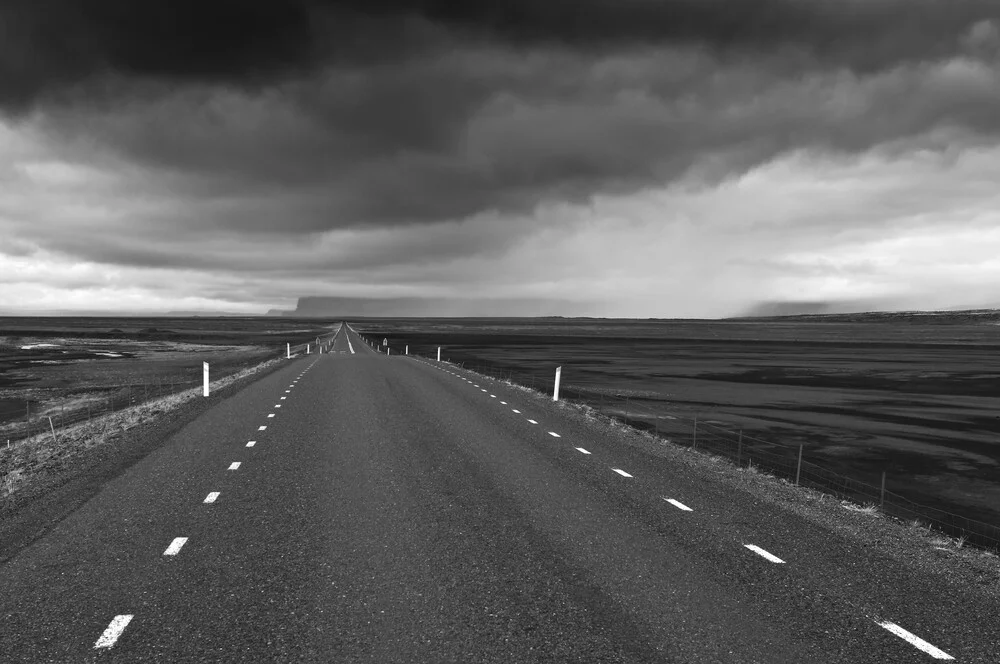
(407, 140)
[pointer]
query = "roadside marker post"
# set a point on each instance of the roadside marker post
(407, 350)
(288, 351)
(307, 349)
(555, 392)
(204, 371)
(439, 353)
(798, 468)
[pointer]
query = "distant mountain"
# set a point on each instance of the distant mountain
(341, 307)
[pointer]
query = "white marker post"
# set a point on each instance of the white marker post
(407, 350)
(439, 353)
(204, 371)
(555, 393)
(307, 349)
(288, 351)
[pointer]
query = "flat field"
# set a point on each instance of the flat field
(67, 368)
(913, 395)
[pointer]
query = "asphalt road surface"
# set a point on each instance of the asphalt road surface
(354, 507)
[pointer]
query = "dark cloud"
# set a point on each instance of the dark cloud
(47, 46)
(308, 115)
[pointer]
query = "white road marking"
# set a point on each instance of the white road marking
(482, 390)
(554, 434)
(770, 556)
(516, 411)
(210, 498)
(262, 428)
(349, 345)
(533, 421)
(493, 396)
(283, 398)
(583, 450)
(621, 472)
(287, 392)
(679, 505)
(277, 405)
(114, 630)
(175, 546)
(251, 443)
(915, 641)
(271, 415)
(234, 465)
(504, 402)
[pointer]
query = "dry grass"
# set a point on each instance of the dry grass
(40, 454)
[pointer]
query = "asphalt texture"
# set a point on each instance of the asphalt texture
(400, 510)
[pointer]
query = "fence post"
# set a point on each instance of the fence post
(54, 439)
(881, 502)
(694, 438)
(739, 450)
(204, 373)
(555, 392)
(798, 468)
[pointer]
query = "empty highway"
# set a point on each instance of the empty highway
(354, 507)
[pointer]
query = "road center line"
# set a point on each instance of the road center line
(621, 472)
(251, 443)
(175, 546)
(114, 630)
(210, 498)
(533, 421)
(915, 641)
(583, 451)
(277, 405)
(770, 556)
(493, 396)
(516, 411)
(554, 434)
(679, 505)
(283, 398)
(271, 415)
(262, 428)
(504, 402)
(234, 465)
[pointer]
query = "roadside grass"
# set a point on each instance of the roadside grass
(42, 454)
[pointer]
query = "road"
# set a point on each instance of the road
(354, 507)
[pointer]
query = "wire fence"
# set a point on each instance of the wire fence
(650, 411)
(48, 410)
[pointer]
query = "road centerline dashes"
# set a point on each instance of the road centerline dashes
(175, 546)
(234, 465)
(679, 505)
(764, 554)
(621, 472)
(114, 630)
(582, 451)
(914, 640)
(211, 497)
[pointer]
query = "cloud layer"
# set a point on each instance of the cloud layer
(388, 148)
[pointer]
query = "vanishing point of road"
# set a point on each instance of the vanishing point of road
(358, 507)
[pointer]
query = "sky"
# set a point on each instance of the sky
(620, 158)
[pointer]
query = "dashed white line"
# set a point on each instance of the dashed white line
(251, 443)
(554, 434)
(621, 472)
(516, 411)
(114, 630)
(234, 465)
(915, 640)
(504, 402)
(583, 451)
(679, 505)
(283, 398)
(759, 551)
(277, 405)
(271, 415)
(533, 421)
(210, 498)
(175, 546)
(262, 428)
(493, 396)
(287, 392)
